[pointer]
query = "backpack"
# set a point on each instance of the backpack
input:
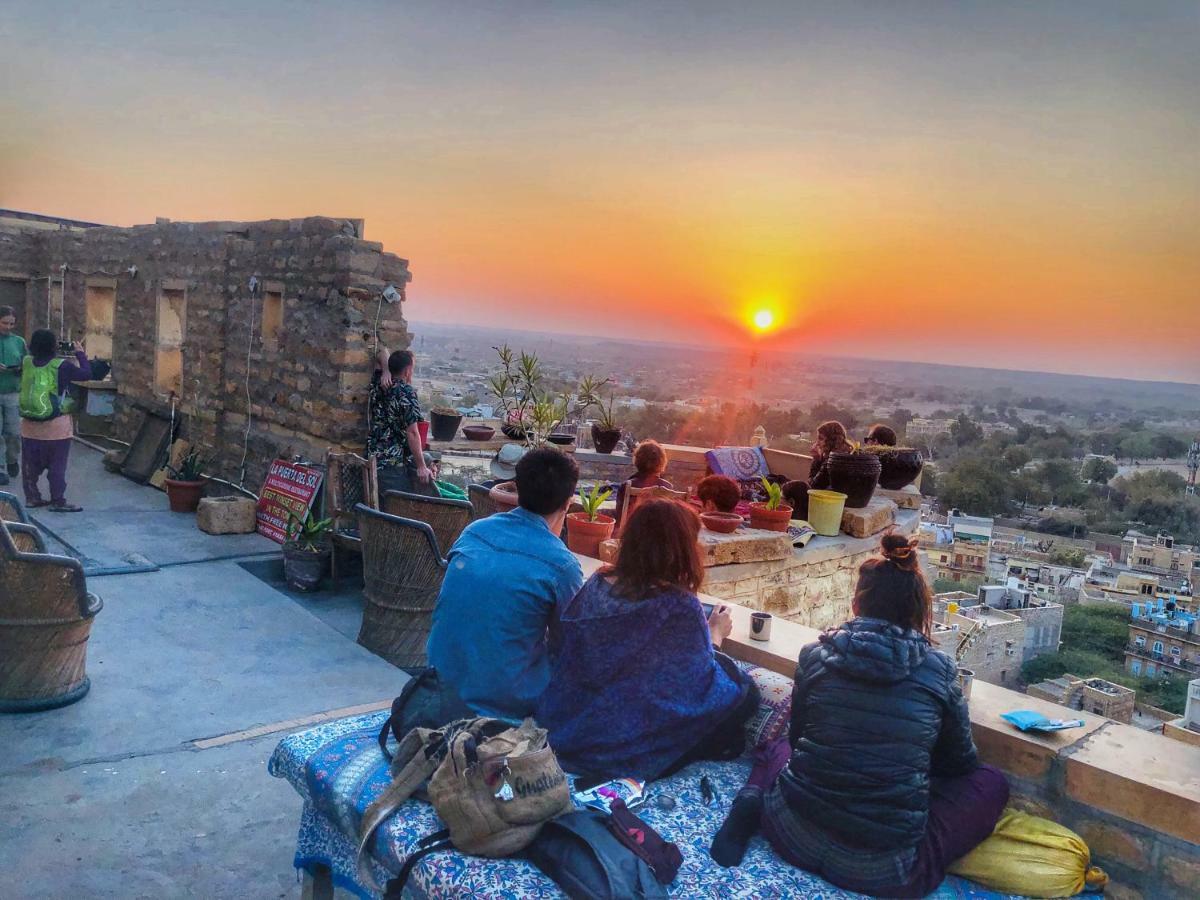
(492, 785)
(39, 399)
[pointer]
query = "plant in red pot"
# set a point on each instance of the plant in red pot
(587, 530)
(185, 483)
(605, 431)
(772, 514)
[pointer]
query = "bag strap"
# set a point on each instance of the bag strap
(392, 724)
(431, 843)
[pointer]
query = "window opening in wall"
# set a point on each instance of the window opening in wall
(100, 306)
(168, 350)
(272, 317)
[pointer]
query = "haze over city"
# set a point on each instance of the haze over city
(987, 184)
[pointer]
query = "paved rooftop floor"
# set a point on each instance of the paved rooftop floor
(111, 797)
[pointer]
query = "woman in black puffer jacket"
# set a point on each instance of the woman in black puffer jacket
(877, 788)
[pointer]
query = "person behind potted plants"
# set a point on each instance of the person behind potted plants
(12, 352)
(881, 435)
(649, 461)
(831, 438)
(46, 425)
(393, 437)
(719, 493)
(637, 687)
(877, 787)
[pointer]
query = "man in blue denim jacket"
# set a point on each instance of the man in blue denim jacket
(506, 575)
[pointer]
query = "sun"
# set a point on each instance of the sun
(764, 319)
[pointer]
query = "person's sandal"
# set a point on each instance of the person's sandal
(65, 507)
(37, 504)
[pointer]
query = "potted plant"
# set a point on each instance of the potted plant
(444, 422)
(854, 474)
(307, 552)
(899, 466)
(605, 431)
(186, 483)
(772, 514)
(532, 411)
(587, 530)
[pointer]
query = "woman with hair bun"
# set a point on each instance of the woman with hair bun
(877, 787)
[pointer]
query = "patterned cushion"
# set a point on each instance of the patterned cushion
(774, 710)
(739, 463)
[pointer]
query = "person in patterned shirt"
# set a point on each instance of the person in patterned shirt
(393, 414)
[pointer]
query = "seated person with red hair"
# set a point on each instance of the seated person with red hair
(650, 460)
(718, 493)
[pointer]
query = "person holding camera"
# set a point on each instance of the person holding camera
(12, 351)
(46, 426)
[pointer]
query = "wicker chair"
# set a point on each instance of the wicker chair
(481, 501)
(446, 517)
(402, 574)
(11, 509)
(349, 480)
(46, 617)
(635, 495)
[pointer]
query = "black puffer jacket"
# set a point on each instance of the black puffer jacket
(875, 712)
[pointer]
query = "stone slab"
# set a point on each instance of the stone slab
(746, 545)
(907, 497)
(870, 519)
(226, 515)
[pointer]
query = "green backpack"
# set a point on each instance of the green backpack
(39, 398)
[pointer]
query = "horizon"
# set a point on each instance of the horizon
(988, 186)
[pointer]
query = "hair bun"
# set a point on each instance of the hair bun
(897, 548)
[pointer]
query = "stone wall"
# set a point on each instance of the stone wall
(239, 391)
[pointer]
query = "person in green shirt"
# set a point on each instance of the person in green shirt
(12, 351)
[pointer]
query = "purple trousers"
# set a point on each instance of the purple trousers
(963, 811)
(49, 457)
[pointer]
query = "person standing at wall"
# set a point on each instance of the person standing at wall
(46, 425)
(12, 351)
(393, 437)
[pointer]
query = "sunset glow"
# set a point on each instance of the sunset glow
(764, 319)
(1009, 185)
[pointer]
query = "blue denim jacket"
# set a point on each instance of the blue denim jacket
(506, 575)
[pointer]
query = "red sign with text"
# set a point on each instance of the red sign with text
(288, 488)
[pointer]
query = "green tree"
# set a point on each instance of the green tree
(1060, 477)
(1167, 446)
(977, 486)
(1016, 456)
(1099, 470)
(964, 431)
(1068, 556)
(1137, 446)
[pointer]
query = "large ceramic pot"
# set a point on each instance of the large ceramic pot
(443, 423)
(303, 567)
(770, 519)
(184, 496)
(605, 439)
(900, 467)
(584, 536)
(504, 494)
(855, 475)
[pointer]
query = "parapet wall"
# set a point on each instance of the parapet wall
(290, 359)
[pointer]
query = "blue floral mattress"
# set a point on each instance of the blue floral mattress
(338, 769)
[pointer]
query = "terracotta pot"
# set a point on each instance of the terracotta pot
(770, 519)
(584, 536)
(605, 439)
(504, 494)
(184, 496)
(721, 522)
(443, 425)
(478, 432)
(855, 475)
(899, 467)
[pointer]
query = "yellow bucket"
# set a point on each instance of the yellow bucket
(825, 511)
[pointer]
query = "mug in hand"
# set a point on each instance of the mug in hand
(760, 626)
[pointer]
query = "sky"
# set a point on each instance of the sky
(1003, 184)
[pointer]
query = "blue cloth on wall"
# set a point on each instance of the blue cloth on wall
(739, 463)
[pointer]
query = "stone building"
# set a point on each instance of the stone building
(257, 336)
(1043, 618)
(994, 640)
(1093, 695)
(1164, 642)
(1157, 554)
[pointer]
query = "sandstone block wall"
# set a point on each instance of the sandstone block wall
(300, 389)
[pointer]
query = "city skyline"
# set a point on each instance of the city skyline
(974, 184)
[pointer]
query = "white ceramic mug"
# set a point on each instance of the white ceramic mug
(760, 626)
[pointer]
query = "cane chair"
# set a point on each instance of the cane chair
(482, 503)
(446, 517)
(11, 508)
(349, 480)
(635, 495)
(402, 574)
(46, 618)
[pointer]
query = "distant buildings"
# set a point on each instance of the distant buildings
(1094, 695)
(958, 550)
(1164, 641)
(1159, 554)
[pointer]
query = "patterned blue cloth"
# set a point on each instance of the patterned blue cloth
(338, 770)
(633, 684)
(739, 463)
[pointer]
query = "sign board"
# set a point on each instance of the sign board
(289, 487)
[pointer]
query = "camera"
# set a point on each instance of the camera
(66, 347)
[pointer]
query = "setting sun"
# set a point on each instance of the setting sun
(764, 319)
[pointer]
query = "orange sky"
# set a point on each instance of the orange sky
(966, 183)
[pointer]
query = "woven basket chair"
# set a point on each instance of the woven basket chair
(349, 480)
(481, 501)
(11, 508)
(635, 495)
(45, 620)
(402, 574)
(446, 517)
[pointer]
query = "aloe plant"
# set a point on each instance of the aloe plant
(593, 500)
(308, 532)
(605, 419)
(190, 468)
(521, 389)
(774, 493)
